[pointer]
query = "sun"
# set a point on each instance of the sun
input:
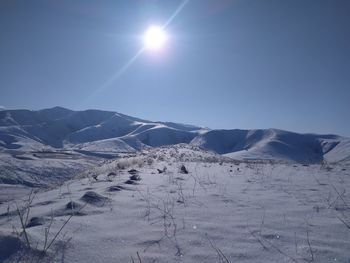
(154, 38)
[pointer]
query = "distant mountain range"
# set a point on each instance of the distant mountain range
(105, 131)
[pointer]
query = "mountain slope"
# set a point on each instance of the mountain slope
(273, 144)
(106, 131)
(59, 128)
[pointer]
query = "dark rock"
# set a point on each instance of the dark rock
(183, 169)
(114, 188)
(135, 177)
(130, 182)
(117, 188)
(94, 198)
(35, 221)
(73, 205)
(133, 172)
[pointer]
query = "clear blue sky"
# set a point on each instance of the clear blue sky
(228, 63)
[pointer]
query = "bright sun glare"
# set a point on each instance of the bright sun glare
(154, 38)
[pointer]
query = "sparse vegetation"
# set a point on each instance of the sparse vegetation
(23, 214)
(190, 209)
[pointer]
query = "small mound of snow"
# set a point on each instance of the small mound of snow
(94, 198)
(133, 172)
(35, 221)
(114, 188)
(118, 188)
(73, 205)
(69, 209)
(130, 182)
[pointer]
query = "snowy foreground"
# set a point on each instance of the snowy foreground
(220, 211)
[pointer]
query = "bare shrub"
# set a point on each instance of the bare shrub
(23, 213)
(150, 161)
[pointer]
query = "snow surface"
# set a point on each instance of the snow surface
(42, 168)
(222, 210)
(39, 148)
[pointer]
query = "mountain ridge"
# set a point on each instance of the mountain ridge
(108, 131)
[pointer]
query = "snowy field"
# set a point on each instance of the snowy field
(41, 168)
(146, 208)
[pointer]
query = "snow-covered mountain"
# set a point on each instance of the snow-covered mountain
(275, 144)
(63, 128)
(93, 131)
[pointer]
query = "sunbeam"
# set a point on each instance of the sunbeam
(153, 39)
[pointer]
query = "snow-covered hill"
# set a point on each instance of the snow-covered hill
(95, 131)
(275, 144)
(62, 128)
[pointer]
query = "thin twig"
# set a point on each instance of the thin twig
(23, 226)
(340, 196)
(344, 222)
(221, 255)
(309, 244)
(59, 231)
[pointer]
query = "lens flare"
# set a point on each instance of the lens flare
(154, 38)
